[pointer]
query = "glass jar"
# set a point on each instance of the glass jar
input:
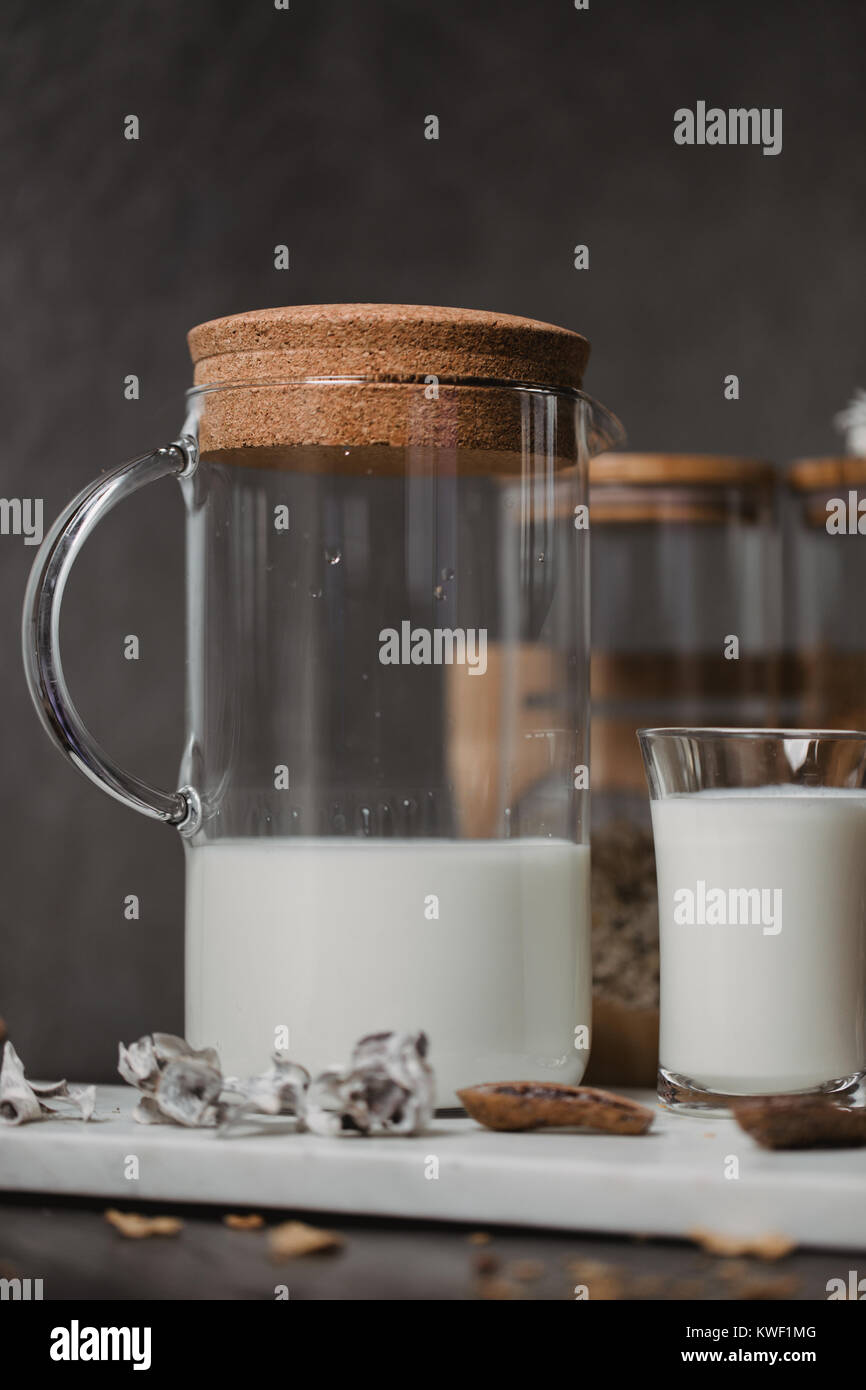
(825, 572)
(382, 799)
(684, 632)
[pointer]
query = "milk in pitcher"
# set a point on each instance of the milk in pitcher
(484, 944)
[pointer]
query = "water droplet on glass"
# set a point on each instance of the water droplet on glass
(540, 557)
(315, 593)
(439, 592)
(333, 556)
(446, 575)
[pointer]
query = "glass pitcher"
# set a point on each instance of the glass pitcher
(383, 793)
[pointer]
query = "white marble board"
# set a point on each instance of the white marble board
(665, 1183)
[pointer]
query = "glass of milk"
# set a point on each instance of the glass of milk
(760, 844)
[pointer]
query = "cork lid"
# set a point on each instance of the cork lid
(824, 474)
(263, 377)
(385, 341)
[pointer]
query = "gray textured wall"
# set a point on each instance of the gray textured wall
(306, 127)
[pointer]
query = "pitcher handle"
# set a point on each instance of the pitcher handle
(41, 635)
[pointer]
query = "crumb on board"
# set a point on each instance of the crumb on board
(294, 1238)
(134, 1226)
(771, 1245)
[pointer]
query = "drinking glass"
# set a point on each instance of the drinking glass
(760, 845)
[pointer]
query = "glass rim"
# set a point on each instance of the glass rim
(572, 393)
(724, 732)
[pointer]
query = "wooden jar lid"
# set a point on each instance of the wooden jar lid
(824, 474)
(389, 345)
(677, 488)
(703, 470)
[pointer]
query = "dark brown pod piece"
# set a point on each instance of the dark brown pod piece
(800, 1122)
(512, 1105)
